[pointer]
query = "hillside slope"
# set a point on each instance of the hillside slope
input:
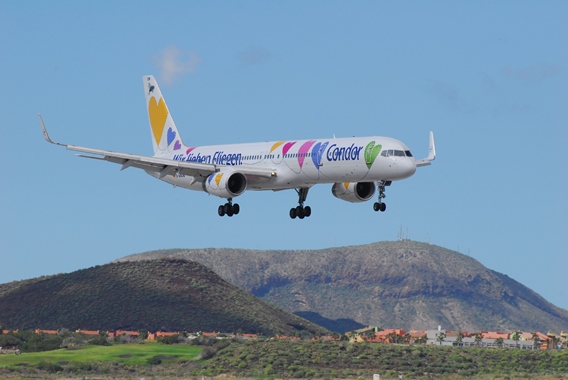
(167, 294)
(396, 284)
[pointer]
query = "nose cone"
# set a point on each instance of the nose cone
(406, 167)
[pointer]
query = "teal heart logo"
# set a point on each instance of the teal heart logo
(371, 153)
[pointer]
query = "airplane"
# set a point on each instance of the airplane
(356, 167)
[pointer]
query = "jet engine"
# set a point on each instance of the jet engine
(225, 184)
(353, 192)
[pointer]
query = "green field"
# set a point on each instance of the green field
(125, 353)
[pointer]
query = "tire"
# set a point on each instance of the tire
(221, 210)
(383, 207)
(308, 211)
(293, 213)
(376, 206)
(236, 209)
(227, 208)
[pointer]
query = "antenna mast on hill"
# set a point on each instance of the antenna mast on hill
(401, 236)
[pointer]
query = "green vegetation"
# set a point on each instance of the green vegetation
(134, 354)
(276, 358)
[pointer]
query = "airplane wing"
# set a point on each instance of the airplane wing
(161, 166)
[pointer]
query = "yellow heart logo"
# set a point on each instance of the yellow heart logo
(218, 178)
(158, 114)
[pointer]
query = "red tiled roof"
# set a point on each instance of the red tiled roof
(495, 335)
(49, 332)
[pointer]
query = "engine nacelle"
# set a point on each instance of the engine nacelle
(353, 192)
(225, 184)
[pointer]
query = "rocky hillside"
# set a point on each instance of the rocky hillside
(394, 284)
(167, 294)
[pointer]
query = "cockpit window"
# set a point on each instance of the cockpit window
(395, 153)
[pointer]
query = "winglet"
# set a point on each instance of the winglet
(431, 153)
(432, 150)
(45, 134)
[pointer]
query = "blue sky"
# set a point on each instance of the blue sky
(489, 78)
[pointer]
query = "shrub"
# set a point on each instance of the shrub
(49, 367)
(154, 361)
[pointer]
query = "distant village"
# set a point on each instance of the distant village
(516, 339)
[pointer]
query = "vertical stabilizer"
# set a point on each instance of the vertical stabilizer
(165, 136)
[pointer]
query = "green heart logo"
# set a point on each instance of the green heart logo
(371, 153)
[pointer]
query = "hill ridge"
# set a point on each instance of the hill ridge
(397, 284)
(166, 294)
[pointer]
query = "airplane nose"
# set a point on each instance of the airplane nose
(406, 167)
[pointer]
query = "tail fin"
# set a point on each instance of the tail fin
(165, 136)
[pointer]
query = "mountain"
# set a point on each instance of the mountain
(167, 294)
(392, 284)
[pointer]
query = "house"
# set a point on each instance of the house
(89, 332)
(384, 336)
(48, 332)
(133, 334)
(249, 336)
(494, 335)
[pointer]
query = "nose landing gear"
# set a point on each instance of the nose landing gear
(300, 211)
(229, 208)
(380, 205)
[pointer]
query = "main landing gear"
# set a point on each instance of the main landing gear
(300, 211)
(229, 208)
(380, 205)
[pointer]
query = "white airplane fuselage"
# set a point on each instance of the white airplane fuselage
(303, 163)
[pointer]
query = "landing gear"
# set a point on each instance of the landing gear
(229, 208)
(300, 211)
(380, 205)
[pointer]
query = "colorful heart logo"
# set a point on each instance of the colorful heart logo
(177, 145)
(287, 147)
(218, 178)
(371, 153)
(317, 153)
(158, 114)
(276, 145)
(171, 136)
(304, 149)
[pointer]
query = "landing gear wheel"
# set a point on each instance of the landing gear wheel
(300, 211)
(293, 213)
(380, 205)
(227, 208)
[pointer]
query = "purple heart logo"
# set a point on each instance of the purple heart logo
(177, 145)
(171, 135)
